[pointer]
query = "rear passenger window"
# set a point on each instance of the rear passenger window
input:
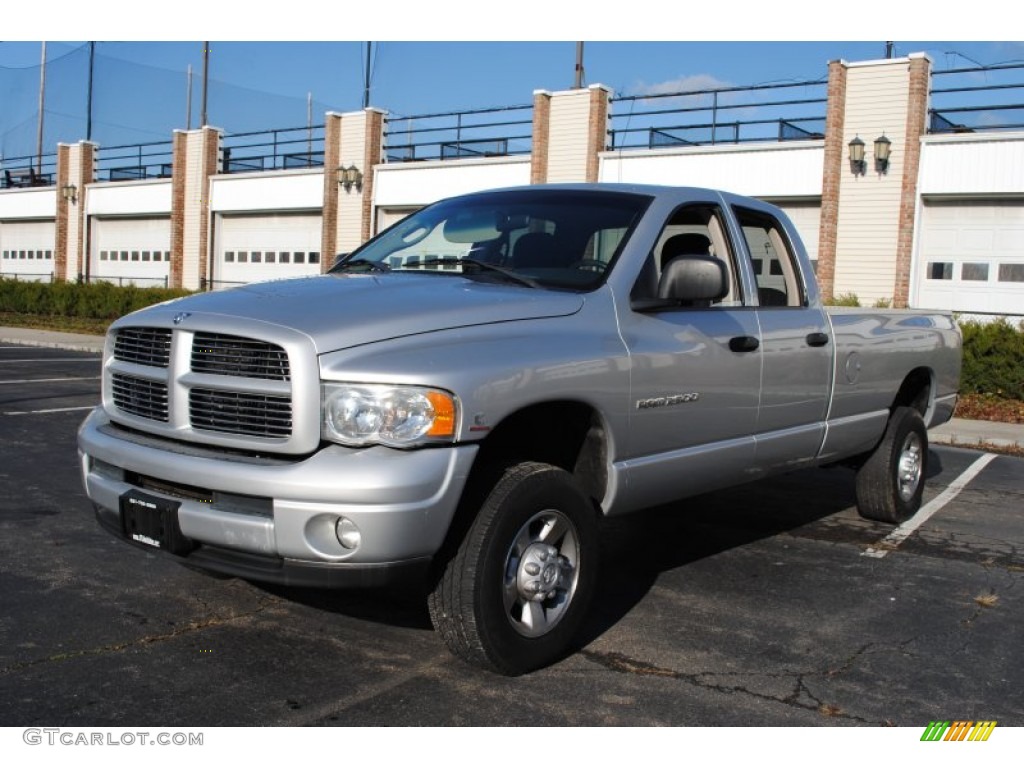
(776, 273)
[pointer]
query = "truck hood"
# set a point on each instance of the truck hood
(341, 311)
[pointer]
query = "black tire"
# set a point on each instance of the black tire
(891, 481)
(535, 534)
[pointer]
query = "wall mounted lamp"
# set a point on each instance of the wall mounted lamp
(70, 193)
(883, 148)
(350, 177)
(857, 164)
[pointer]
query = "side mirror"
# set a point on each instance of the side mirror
(693, 278)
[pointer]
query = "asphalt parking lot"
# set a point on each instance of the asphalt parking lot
(762, 605)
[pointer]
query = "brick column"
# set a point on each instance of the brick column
(196, 159)
(834, 160)
(539, 150)
(917, 114)
(597, 129)
(76, 165)
(353, 138)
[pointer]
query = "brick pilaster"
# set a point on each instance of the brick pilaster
(210, 166)
(541, 124)
(835, 119)
(329, 226)
(196, 156)
(60, 225)
(917, 113)
(86, 175)
(373, 154)
(178, 160)
(597, 129)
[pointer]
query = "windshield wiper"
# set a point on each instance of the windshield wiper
(371, 266)
(507, 273)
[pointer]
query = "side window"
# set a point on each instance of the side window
(775, 269)
(692, 230)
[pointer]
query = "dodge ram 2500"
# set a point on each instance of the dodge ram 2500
(460, 400)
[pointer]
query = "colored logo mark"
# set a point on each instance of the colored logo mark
(958, 730)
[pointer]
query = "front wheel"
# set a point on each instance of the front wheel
(517, 589)
(890, 483)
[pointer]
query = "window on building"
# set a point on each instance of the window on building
(1011, 273)
(229, 257)
(974, 271)
(285, 257)
(940, 270)
(314, 257)
(300, 257)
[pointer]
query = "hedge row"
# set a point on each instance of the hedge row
(98, 301)
(993, 359)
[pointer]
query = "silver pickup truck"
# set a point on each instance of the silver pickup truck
(458, 402)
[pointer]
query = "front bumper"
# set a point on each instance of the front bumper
(274, 520)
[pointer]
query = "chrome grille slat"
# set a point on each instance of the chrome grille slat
(227, 355)
(143, 346)
(240, 413)
(140, 397)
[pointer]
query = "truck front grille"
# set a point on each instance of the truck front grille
(240, 413)
(143, 346)
(140, 397)
(225, 355)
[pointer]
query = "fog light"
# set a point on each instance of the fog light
(347, 532)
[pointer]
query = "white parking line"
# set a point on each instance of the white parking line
(45, 381)
(903, 531)
(49, 410)
(51, 360)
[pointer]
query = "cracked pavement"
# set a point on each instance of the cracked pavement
(748, 607)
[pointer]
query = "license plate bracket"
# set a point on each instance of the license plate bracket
(153, 522)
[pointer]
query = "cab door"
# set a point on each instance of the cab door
(695, 376)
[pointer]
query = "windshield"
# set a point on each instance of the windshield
(537, 237)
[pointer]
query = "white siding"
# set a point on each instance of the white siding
(125, 198)
(28, 203)
(567, 136)
(763, 170)
(417, 184)
(869, 205)
(972, 164)
(350, 204)
(274, 190)
(806, 217)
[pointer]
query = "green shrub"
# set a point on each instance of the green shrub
(97, 301)
(844, 300)
(993, 359)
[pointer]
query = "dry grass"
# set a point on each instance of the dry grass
(987, 601)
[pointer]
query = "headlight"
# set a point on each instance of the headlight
(366, 414)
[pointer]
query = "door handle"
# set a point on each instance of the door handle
(817, 339)
(744, 343)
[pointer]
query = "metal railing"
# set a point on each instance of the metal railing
(27, 277)
(450, 135)
(27, 171)
(778, 112)
(958, 106)
(128, 162)
(140, 280)
(276, 149)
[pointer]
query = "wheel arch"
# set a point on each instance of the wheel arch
(917, 391)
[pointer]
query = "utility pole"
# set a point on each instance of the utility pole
(88, 112)
(888, 49)
(206, 78)
(578, 81)
(42, 99)
(366, 77)
(188, 101)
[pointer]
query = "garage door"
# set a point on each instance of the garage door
(26, 249)
(388, 216)
(806, 217)
(971, 257)
(251, 248)
(131, 251)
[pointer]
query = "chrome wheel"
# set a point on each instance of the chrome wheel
(909, 467)
(541, 573)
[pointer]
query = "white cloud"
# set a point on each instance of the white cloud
(682, 84)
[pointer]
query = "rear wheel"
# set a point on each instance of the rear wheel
(890, 483)
(517, 589)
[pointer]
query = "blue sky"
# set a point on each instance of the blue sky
(141, 86)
